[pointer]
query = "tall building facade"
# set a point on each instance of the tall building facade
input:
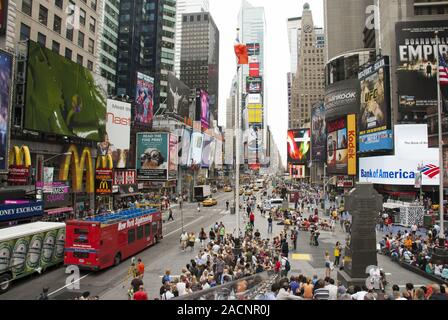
(199, 64)
(108, 43)
(68, 27)
(294, 27)
(185, 6)
(146, 45)
(308, 84)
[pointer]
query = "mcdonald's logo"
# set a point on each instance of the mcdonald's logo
(20, 156)
(77, 165)
(104, 162)
(103, 187)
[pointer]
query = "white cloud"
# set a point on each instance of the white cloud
(277, 57)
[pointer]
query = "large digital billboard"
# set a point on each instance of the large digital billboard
(299, 146)
(152, 156)
(337, 146)
(5, 101)
(203, 108)
(374, 121)
(253, 49)
(178, 100)
(254, 84)
(197, 142)
(62, 97)
(118, 133)
(255, 145)
(318, 133)
(144, 100)
(255, 114)
(342, 98)
(417, 63)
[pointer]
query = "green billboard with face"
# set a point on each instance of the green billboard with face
(152, 156)
(63, 97)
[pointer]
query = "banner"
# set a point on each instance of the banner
(76, 106)
(342, 98)
(5, 102)
(144, 101)
(21, 211)
(351, 134)
(103, 181)
(254, 69)
(219, 155)
(178, 100)
(298, 142)
(318, 133)
(18, 175)
(118, 133)
(417, 63)
(206, 151)
(255, 145)
(57, 195)
(375, 124)
(124, 177)
(203, 108)
(254, 99)
(173, 158)
(185, 147)
(197, 142)
(152, 156)
(337, 146)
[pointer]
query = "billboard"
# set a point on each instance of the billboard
(342, 98)
(254, 69)
(207, 151)
(299, 146)
(62, 97)
(5, 101)
(144, 100)
(118, 133)
(254, 99)
(178, 100)
(337, 146)
(413, 158)
(318, 133)
(3, 16)
(203, 108)
(297, 171)
(255, 114)
(219, 155)
(184, 149)
(152, 156)
(374, 121)
(351, 145)
(254, 84)
(197, 141)
(253, 49)
(416, 63)
(173, 158)
(124, 177)
(103, 181)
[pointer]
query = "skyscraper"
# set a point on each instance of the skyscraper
(185, 6)
(199, 64)
(294, 27)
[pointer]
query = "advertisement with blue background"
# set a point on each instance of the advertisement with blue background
(10, 212)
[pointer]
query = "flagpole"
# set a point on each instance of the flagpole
(442, 171)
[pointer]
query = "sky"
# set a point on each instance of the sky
(277, 57)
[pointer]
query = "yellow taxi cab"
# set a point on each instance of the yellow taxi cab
(227, 189)
(248, 192)
(241, 192)
(209, 202)
(256, 189)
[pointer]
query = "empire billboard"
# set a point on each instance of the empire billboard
(375, 125)
(62, 97)
(417, 62)
(5, 102)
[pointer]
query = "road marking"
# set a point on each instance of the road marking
(67, 285)
(301, 257)
(167, 235)
(388, 274)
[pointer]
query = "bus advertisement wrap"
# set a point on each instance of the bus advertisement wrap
(152, 156)
(375, 125)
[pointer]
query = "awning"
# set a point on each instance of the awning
(58, 210)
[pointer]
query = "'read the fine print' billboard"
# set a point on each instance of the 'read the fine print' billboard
(375, 125)
(417, 62)
(5, 101)
(144, 100)
(152, 156)
(62, 97)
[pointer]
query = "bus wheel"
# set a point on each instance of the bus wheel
(117, 259)
(5, 282)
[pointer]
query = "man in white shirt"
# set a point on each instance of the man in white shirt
(168, 295)
(360, 294)
(332, 289)
(216, 248)
(181, 286)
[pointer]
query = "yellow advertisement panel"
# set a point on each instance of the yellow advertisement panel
(255, 113)
(351, 132)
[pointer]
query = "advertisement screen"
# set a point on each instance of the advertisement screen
(337, 146)
(299, 146)
(144, 101)
(152, 156)
(63, 97)
(118, 133)
(253, 49)
(185, 147)
(206, 151)
(178, 97)
(203, 108)
(375, 125)
(174, 158)
(255, 145)
(255, 114)
(342, 98)
(197, 142)
(417, 63)
(297, 171)
(318, 133)
(254, 84)
(5, 100)
(254, 69)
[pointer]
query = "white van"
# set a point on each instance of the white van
(272, 204)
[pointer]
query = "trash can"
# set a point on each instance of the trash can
(232, 210)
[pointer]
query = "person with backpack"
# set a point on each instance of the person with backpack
(285, 247)
(212, 235)
(286, 266)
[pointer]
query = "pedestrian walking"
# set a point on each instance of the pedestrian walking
(327, 264)
(170, 217)
(227, 205)
(140, 268)
(337, 253)
(252, 219)
(294, 235)
(285, 266)
(141, 294)
(191, 241)
(222, 233)
(212, 235)
(202, 237)
(199, 207)
(184, 240)
(270, 224)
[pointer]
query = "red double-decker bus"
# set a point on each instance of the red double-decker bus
(103, 241)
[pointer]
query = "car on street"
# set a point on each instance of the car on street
(210, 202)
(248, 192)
(228, 189)
(256, 189)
